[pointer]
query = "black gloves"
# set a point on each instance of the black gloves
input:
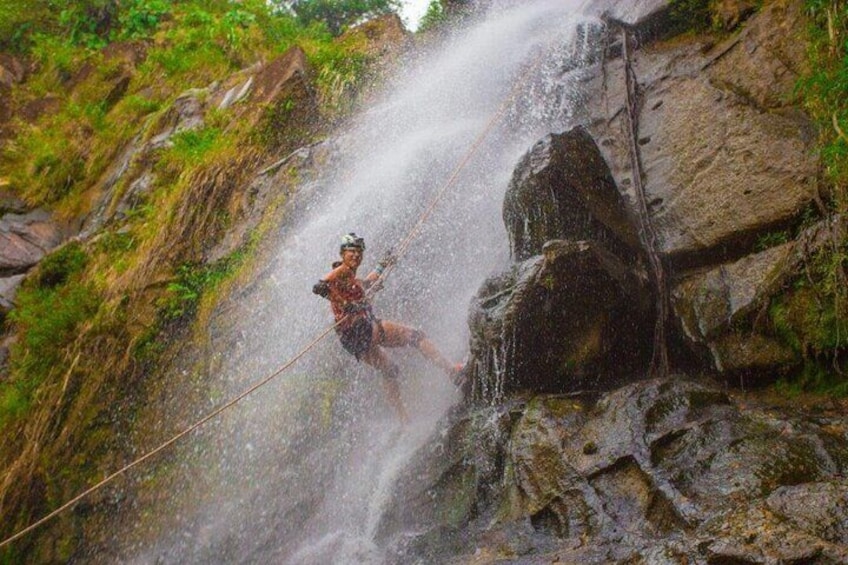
(322, 289)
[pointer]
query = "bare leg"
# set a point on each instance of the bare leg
(397, 335)
(377, 359)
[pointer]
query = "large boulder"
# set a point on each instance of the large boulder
(8, 289)
(571, 318)
(630, 12)
(563, 189)
(272, 78)
(713, 177)
(25, 239)
(662, 471)
(721, 308)
(284, 104)
(724, 154)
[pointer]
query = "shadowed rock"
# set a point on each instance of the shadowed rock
(8, 289)
(562, 189)
(569, 319)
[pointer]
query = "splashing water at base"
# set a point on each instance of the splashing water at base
(301, 473)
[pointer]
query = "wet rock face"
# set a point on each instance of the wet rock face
(631, 12)
(562, 189)
(668, 471)
(713, 178)
(568, 319)
(719, 308)
(711, 120)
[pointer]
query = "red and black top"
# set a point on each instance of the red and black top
(347, 296)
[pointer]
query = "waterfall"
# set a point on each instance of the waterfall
(299, 473)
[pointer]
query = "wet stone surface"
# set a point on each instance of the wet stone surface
(672, 471)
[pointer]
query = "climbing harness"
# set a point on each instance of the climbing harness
(354, 241)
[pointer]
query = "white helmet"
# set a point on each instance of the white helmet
(352, 241)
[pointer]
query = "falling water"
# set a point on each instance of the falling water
(300, 472)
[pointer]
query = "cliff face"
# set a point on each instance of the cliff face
(723, 160)
(679, 209)
(137, 229)
(657, 212)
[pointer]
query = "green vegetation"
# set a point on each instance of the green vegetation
(825, 86)
(690, 15)
(93, 319)
(192, 281)
(338, 14)
(771, 239)
(812, 317)
(55, 158)
(51, 307)
(434, 17)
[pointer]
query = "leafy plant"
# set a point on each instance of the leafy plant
(18, 19)
(339, 14)
(192, 281)
(58, 267)
(87, 23)
(140, 18)
(435, 16)
(189, 146)
(771, 239)
(233, 25)
(823, 88)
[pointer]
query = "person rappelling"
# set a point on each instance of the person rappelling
(361, 333)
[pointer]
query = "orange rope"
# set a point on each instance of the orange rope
(496, 117)
(173, 440)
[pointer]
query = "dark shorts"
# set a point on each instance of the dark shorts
(357, 338)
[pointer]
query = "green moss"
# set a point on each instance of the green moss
(56, 268)
(811, 327)
(823, 87)
(771, 239)
(190, 147)
(687, 15)
(14, 402)
(140, 18)
(47, 320)
(192, 281)
(50, 307)
(812, 316)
